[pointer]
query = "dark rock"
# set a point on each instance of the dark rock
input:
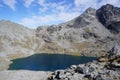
(98, 77)
(89, 35)
(114, 27)
(91, 69)
(39, 29)
(80, 22)
(59, 28)
(113, 52)
(90, 11)
(46, 38)
(89, 77)
(57, 75)
(79, 70)
(109, 16)
(52, 29)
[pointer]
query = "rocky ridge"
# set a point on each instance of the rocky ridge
(106, 68)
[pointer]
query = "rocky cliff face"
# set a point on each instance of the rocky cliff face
(92, 33)
(109, 16)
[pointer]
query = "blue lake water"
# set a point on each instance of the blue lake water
(48, 62)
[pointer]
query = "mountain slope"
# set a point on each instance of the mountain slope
(76, 36)
(93, 33)
(14, 38)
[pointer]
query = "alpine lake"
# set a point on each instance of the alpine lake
(48, 62)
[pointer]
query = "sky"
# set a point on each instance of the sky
(34, 13)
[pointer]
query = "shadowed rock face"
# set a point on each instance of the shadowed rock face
(109, 16)
(114, 27)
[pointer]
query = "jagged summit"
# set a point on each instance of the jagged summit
(83, 20)
(108, 14)
(107, 6)
(90, 10)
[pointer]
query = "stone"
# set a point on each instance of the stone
(73, 67)
(85, 69)
(88, 77)
(79, 70)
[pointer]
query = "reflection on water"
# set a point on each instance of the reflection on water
(48, 62)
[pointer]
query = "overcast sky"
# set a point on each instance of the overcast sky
(33, 13)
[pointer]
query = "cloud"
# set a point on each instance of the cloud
(41, 10)
(113, 2)
(84, 4)
(94, 3)
(42, 3)
(28, 3)
(44, 6)
(54, 13)
(49, 19)
(10, 3)
(59, 12)
(49, 5)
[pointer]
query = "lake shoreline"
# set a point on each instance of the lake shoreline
(48, 62)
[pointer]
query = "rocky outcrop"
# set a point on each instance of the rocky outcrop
(89, 71)
(103, 70)
(107, 67)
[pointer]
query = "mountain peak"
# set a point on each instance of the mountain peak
(108, 6)
(109, 15)
(90, 9)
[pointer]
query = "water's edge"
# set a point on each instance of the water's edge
(48, 62)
